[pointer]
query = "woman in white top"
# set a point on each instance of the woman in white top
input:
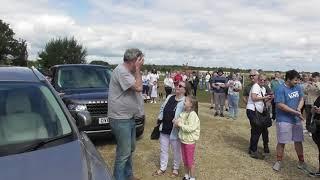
(145, 83)
(207, 78)
(234, 87)
(168, 84)
(256, 102)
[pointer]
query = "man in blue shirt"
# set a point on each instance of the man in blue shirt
(289, 101)
(218, 84)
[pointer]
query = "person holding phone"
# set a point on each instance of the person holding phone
(256, 102)
(289, 101)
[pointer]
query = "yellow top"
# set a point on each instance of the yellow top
(189, 124)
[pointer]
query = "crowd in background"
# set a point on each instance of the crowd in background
(289, 99)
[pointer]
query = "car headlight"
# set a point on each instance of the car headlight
(77, 107)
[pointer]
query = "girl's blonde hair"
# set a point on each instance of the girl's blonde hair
(194, 103)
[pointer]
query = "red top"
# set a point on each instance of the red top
(177, 78)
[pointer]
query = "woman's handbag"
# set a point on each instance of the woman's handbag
(262, 120)
(155, 133)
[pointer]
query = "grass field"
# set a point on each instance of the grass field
(221, 152)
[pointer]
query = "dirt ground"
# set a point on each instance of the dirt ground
(221, 152)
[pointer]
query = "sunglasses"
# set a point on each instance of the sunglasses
(180, 86)
(252, 75)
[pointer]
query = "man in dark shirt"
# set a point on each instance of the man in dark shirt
(218, 84)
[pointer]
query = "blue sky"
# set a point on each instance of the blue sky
(268, 34)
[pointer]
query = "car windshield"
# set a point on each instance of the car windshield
(29, 112)
(83, 77)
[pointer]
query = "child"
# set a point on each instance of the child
(154, 92)
(189, 132)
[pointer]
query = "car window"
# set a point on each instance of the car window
(29, 112)
(83, 77)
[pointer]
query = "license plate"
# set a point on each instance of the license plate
(103, 120)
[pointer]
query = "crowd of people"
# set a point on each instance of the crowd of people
(289, 102)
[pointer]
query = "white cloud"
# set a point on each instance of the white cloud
(269, 35)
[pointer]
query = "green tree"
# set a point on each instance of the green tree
(12, 51)
(62, 51)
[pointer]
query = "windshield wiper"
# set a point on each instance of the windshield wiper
(39, 143)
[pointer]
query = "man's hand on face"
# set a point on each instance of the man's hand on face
(139, 63)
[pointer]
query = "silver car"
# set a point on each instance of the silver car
(38, 136)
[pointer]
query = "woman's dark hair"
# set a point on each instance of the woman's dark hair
(194, 103)
(291, 75)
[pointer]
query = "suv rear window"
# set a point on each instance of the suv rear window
(83, 77)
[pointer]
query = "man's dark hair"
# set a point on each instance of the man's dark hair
(315, 74)
(291, 75)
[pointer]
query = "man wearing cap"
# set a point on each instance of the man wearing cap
(218, 84)
(125, 102)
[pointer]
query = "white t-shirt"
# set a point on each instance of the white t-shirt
(145, 80)
(234, 84)
(168, 82)
(153, 77)
(184, 77)
(259, 105)
(207, 78)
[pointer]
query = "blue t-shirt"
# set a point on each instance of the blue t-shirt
(290, 97)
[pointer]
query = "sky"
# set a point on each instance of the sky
(268, 34)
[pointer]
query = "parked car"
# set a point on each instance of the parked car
(39, 138)
(84, 88)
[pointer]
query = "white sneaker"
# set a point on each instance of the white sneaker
(304, 167)
(151, 102)
(277, 166)
(155, 102)
(310, 134)
(305, 131)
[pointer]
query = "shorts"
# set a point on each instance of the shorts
(287, 132)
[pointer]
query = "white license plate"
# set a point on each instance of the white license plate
(103, 120)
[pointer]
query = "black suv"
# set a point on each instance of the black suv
(84, 87)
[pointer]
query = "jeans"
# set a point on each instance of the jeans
(219, 99)
(233, 105)
(124, 131)
(207, 86)
(145, 89)
(256, 132)
(195, 90)
(165, 143)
